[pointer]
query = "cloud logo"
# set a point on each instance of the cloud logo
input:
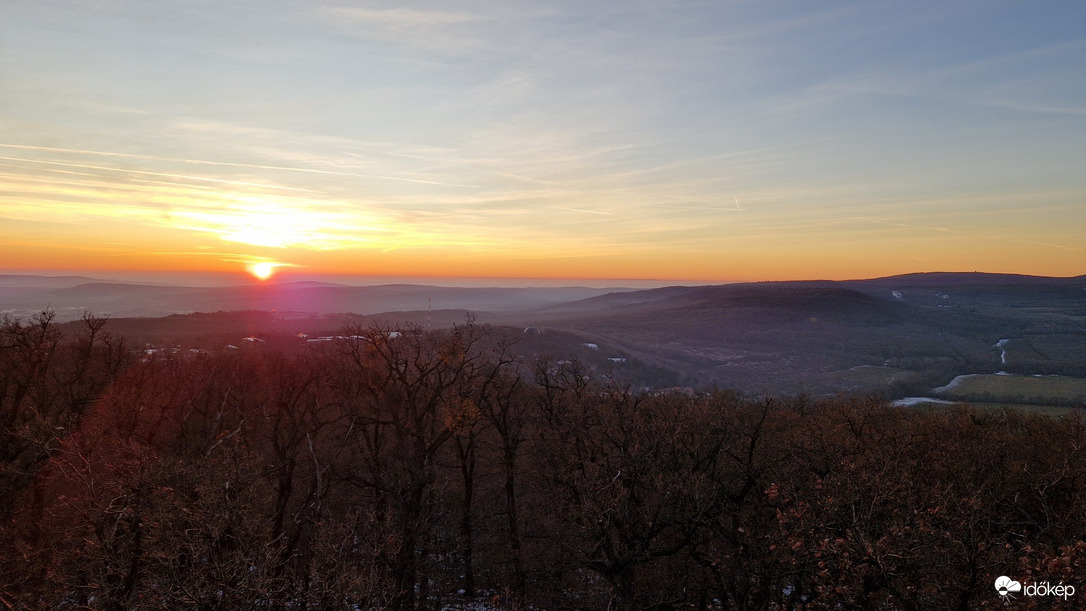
(1005, 585)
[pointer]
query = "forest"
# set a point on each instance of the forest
(407, 468)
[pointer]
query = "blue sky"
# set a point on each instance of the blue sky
(687, 140)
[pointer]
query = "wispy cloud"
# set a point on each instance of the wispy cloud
(544, 131)
(228, 164)
(402, 20)
(147, 173)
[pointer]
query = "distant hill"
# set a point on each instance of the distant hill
(25, 281)
(908, 332)
(935, 279)
(70, 298)
(900, 335)
(779, 302)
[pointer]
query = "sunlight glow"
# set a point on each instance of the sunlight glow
(730, 143)
(268, 224)
(262, 270)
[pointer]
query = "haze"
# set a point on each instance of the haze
(676, 141)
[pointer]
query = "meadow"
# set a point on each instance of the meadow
(1016, 389)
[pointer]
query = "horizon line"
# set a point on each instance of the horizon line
(170, 277)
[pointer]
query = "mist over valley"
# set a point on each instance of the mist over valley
(899, 336)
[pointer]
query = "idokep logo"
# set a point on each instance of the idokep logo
(1008, 587)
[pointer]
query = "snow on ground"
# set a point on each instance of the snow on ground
(953, 383)
(910, 401)
(1001, 344)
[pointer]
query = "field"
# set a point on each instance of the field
(1039, 390)
(1048, 410)
(937, 405)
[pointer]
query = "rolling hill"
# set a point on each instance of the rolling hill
(901, 335)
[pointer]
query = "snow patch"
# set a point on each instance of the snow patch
(897, 295)
(953, 383)
(910, 401)
(1002, 345)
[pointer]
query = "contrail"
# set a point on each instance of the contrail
(235, 165)
(163, 174)
(579, 210)
(737, 206)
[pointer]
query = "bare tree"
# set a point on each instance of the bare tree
(407, 406)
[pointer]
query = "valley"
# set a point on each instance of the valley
(906, 336)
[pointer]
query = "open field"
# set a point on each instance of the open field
(1050, 410)
(937, 405)
(1044, 390)
(871, 376)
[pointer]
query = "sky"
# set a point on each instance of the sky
(709, 141)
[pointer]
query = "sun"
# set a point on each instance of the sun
(262, 270)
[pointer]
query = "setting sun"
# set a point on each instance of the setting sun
(731, 143)
(262, 270)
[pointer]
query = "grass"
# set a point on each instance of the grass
(1013, 389)
(1054, 411)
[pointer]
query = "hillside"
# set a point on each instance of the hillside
(900, 335)
(130, 299)
(907, 332)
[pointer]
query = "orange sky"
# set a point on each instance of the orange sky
(702, 143)
(786, 261)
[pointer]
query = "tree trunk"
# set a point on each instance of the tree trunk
(466, 453)
(510, 464)
(405, 570)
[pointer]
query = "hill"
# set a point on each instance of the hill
(131, 299)
(900, 335)
(903, 334)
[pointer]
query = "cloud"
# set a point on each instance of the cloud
(1039, 78)
(566, 128)
(430, 30)
(228, 164)
(147, 173)
(402, 19)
